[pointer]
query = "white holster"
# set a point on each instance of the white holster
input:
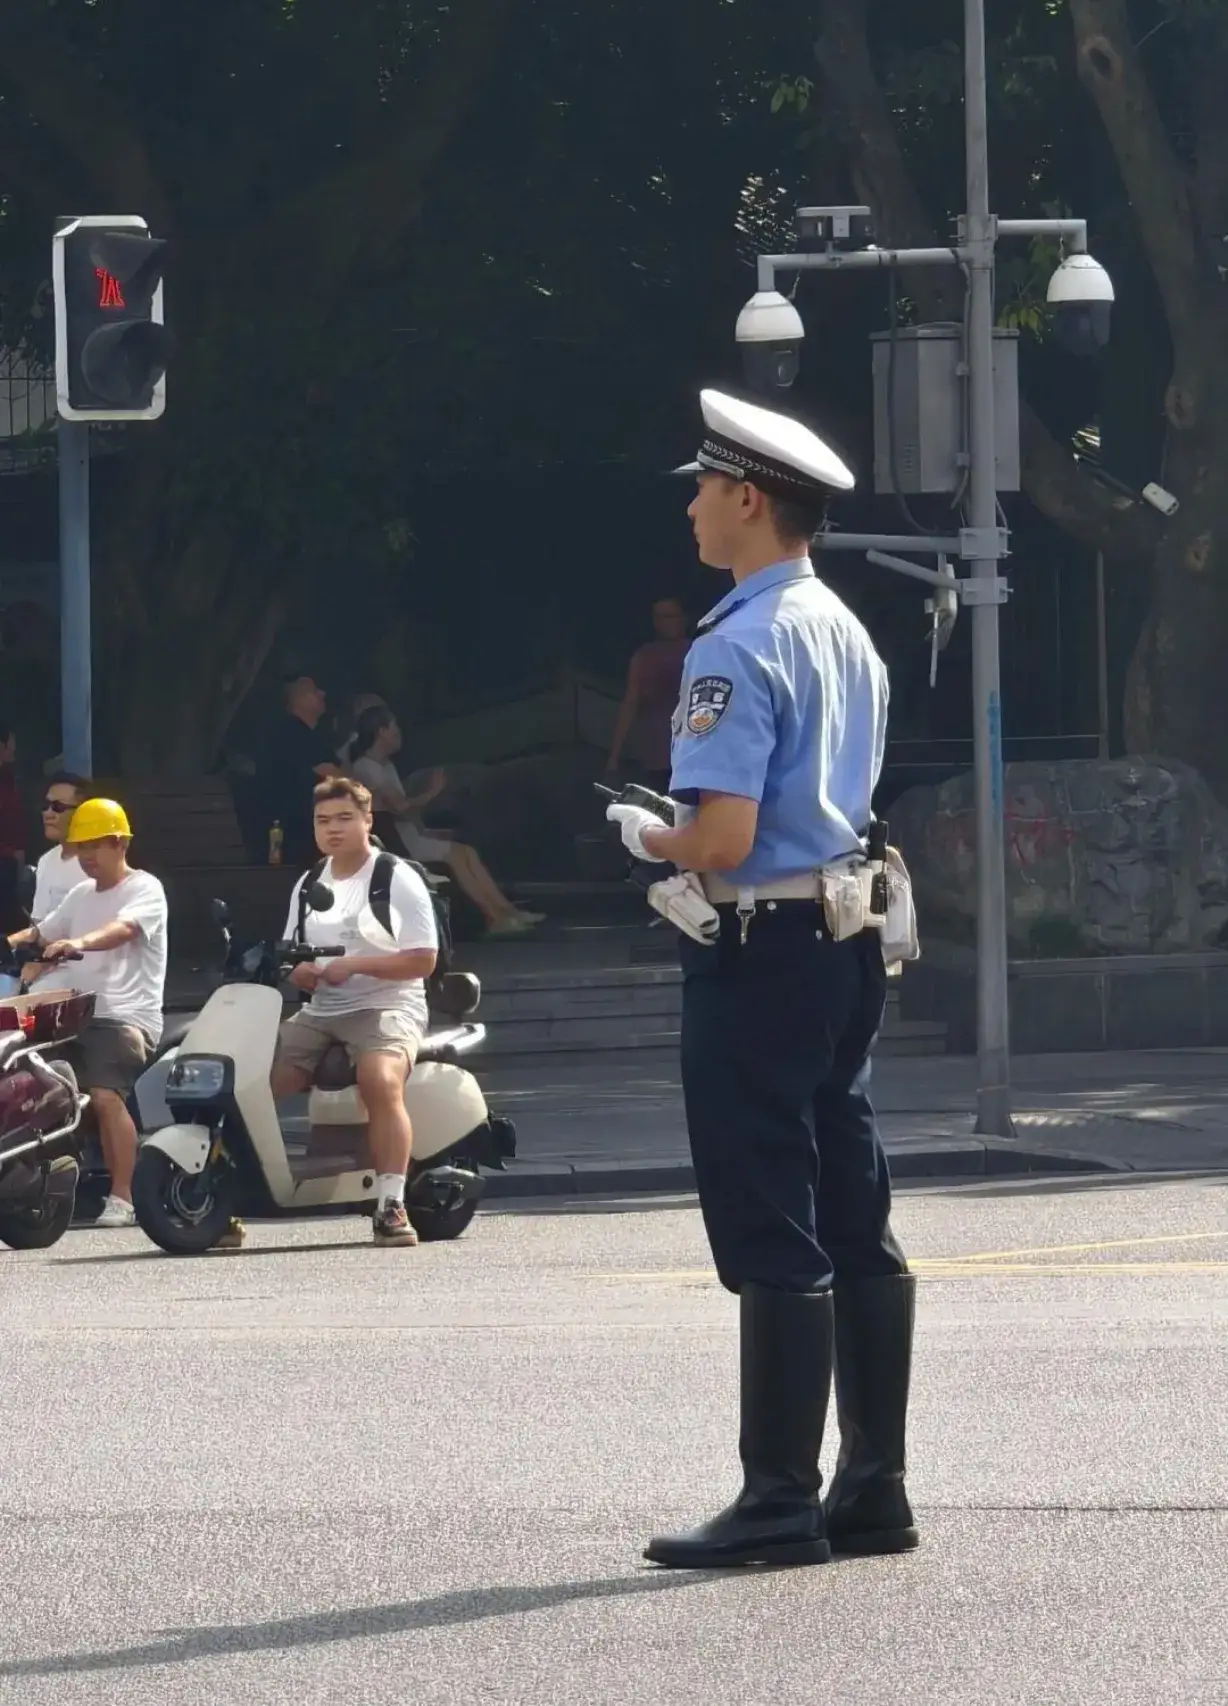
(681, 901)
(847, 891)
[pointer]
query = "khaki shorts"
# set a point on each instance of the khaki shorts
(108, 1056)
(305, 1037)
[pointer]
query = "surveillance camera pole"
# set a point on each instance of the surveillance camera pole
(993, 1092)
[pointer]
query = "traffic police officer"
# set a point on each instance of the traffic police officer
(778, 743)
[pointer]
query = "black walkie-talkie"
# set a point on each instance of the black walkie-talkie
(876, 853)
(643, 873)
(634, 795)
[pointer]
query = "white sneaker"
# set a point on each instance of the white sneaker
(512, 925)
(116, 1212)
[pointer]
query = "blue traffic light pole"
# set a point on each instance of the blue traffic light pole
(76, 687)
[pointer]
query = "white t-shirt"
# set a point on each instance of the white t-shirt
(57, 877)
(128, 981)
(343, 926)
(378, 775)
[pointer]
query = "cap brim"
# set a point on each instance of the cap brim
(688, 468)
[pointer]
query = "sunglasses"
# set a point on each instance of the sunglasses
(57, 807)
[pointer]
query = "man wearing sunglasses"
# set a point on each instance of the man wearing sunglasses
(59, 870)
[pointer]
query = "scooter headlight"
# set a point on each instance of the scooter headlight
(197, 1077)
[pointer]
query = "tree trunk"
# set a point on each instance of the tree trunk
(184, 636)
(1177, 685)
(178, 700)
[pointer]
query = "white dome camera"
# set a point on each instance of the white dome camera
(769, 334)
(1081, 296)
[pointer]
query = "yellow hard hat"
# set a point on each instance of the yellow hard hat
(93, 820)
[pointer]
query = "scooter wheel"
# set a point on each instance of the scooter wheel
(436, 1225)
(36, 1228)
(182, 1213)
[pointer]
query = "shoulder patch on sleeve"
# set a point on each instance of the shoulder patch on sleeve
(707, 702)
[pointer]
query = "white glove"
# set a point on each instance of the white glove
(633, 821)
(682, 901)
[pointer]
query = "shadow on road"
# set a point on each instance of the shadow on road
(1014, 1184)
(118, 1257)
(224, 1640)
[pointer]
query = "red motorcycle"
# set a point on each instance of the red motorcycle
(40, 1117)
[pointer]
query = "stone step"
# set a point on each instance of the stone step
(652, 1025)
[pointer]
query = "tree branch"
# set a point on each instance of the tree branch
(1155, 180)
(1060, 488)
(77, 112)
(376, 197)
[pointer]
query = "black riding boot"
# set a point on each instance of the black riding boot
(867, 1508)
(786, 1380)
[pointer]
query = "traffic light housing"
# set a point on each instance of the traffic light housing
(112, 344)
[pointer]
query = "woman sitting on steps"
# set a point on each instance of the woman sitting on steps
(376, 740)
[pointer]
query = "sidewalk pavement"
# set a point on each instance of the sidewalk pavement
(618, 1127)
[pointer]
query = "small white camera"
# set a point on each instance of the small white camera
(1081, 296)
(1159, 499)
(769, 334)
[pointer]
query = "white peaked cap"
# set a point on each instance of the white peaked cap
(767, 449)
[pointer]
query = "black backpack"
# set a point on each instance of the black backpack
(380, 897)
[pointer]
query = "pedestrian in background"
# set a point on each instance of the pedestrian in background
(297, 757)
(375, 744)
(654, 676)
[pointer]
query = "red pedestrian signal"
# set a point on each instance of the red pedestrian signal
(111, 341)
(109, 293)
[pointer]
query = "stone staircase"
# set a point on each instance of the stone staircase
(590, 987)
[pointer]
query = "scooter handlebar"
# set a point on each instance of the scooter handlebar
(300, 954)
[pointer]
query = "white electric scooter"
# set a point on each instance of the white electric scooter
(225, 1153)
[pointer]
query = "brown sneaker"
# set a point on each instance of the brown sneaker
(392, 1225)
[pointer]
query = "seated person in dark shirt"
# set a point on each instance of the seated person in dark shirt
(297, 757)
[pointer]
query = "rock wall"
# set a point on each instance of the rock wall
(1128, 856)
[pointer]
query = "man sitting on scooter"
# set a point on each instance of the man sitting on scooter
(116, 918)
(372, 1000)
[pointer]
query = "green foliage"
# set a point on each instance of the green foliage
(394, 252)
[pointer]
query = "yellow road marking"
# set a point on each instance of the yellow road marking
(1080, 1249)
(998, 1262)
(965, 1270)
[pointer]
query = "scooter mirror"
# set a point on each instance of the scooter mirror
(319, 898)
(220, 913)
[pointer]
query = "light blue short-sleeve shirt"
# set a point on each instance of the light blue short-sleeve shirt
(784, 701)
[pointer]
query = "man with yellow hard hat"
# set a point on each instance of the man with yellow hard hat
(116, 919)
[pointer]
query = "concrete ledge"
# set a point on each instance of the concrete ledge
(1129, 1002)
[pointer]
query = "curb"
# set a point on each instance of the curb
(956, 1161)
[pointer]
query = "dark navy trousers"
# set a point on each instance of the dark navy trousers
(776, 1041)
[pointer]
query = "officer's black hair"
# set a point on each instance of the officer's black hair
(794, 520)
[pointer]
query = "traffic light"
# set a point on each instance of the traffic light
(111, 344)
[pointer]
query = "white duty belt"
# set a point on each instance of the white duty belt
(844, 889)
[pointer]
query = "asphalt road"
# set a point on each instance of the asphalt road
(314, 1472)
